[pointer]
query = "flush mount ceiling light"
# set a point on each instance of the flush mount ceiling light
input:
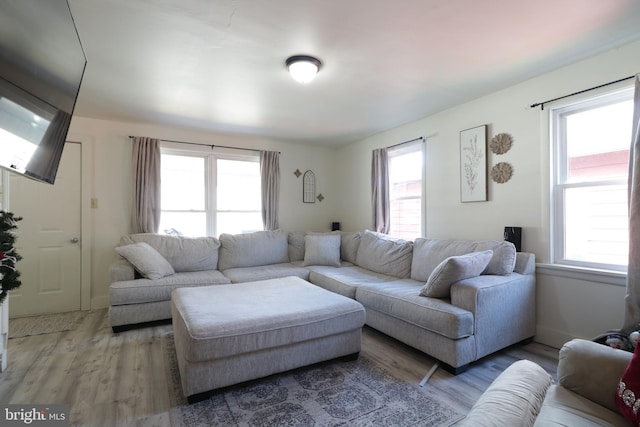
(303, 68)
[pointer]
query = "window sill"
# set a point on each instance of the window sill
(609, 277)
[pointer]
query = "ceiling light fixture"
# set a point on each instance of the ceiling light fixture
(303, 68)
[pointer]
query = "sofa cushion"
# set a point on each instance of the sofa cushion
(322, 249)
(296, 245)
(576, 373)
(349, 243)
(503, 260)
(145, 290)
(384, 254)
(452, 270)
(146, 260)
(264, 272)
(562, 407)
(183, 253)
(628, 393)
(345, 280)
(428, 253)
(253, 249)
(401, 299)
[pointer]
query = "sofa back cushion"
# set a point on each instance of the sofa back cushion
(183, 253)
(349, 244)
(253, 249)
(429, 253)
(384, 254)
(322, 249)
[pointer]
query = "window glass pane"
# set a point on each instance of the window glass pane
(596, 224)
(238, 185)
(183, 183)
(239, 222)
(405, 192)
(191, 224)
(598, 142)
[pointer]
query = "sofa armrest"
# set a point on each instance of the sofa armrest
(525, 263)
(592, 370)
(121, 270)
(503, 308)
(513, 399)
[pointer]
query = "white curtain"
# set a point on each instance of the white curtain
(380, 190)
(270, 182)
(145, 213)
(632, 297)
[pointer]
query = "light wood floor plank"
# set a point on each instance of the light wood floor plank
(120, 379)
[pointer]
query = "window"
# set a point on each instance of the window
(405, 190)
(591, 140)
(238, 196)
(207, 194)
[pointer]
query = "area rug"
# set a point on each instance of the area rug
(336, 393)
(45, 324)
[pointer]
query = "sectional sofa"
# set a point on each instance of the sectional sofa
(454, 300)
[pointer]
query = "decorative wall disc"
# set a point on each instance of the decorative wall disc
(501, 143)
(501, 172)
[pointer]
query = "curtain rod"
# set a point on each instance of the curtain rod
(541, 104)
(206, 145)
(406, 142)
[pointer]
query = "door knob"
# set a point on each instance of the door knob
(74, 240)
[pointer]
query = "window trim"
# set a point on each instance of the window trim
(558, 176)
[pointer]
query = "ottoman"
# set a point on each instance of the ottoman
(227, 334)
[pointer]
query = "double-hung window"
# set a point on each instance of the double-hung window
(591, 140)
(406, 190)
(206, 194)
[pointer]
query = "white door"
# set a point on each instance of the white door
(48, 239)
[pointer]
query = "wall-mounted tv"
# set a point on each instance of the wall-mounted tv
(41, 67)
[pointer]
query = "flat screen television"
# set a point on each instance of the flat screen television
(41, 68)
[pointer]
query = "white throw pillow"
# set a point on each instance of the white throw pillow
(146, 260)
(454, 269)
(322, 249)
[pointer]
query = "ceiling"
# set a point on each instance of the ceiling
(218, 65)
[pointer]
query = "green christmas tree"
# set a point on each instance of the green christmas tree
(9, 275)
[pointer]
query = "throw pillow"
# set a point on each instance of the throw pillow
(628, 394)
(454, 269)
(146, 260)
(322, 249)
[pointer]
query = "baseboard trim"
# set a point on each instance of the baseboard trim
(551, 337)
(99, 302)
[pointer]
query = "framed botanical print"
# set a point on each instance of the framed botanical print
(473, 164)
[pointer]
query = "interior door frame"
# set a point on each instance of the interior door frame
(86, 218)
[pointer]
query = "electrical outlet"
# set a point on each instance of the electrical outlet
(94, 203)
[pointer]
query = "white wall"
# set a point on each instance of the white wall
(567, 307)
(108, 170)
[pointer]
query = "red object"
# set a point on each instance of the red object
(628, 394)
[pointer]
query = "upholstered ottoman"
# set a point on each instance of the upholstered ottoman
(227, 334)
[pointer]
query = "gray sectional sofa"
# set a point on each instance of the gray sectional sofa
(454, 300)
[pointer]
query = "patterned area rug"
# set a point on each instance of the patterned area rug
(45, 324)
(355, 393)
